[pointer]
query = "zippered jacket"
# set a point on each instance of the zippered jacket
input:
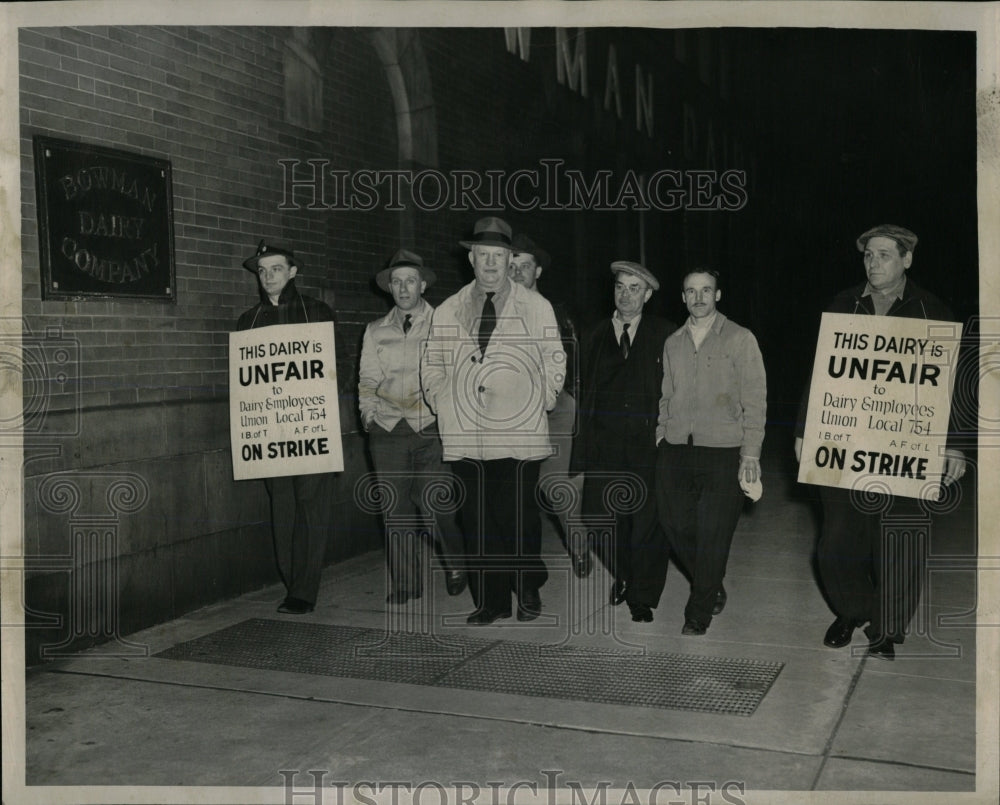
(716, 394)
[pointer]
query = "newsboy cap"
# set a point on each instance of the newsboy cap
(522, 244)
(904, 237)
(404, 258)
(264, 249)
(489, 231)
(636, 270)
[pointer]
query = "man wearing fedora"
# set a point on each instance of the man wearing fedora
(621, 367)
(402, 430)
(493, 367)
(709, 436)
(527, 262)
(871, 577)
(300, 504)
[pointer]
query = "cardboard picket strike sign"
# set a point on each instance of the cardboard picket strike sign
(879, 404)
(284, 416)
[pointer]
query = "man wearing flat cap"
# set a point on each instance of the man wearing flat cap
(492, 368)
(867, 578)
(621, 369)
(527, 262)
(300, 504)
(402, 430)
(709, 436)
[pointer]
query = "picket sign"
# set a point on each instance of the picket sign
(284, 416)
(879, 404)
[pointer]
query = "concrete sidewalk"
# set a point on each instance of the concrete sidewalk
(833, 720)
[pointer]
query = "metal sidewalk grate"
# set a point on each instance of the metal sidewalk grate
(730, 686)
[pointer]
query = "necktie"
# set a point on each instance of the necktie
(407, 324)
(487, 322)
(626, 342)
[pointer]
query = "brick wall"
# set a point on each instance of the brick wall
(151, 402)
(211, 101)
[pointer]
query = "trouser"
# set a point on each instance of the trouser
(300, 518)
(561, 492)
(872, 556)
(409, 464)
(700, 501)
(619, 484)
(503, 534)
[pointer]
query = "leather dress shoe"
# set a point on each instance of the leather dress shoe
(400, 597)
(455, 581)
(840, 632)
(640, 613)
(618, 592)
(883, 648)
(295, 606)
(582, 564)
(720, 601)
(484, 617)
(694, 627)
(529, 605)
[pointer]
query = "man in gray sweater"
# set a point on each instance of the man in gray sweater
(709, 434)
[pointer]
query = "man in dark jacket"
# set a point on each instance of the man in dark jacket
(866, 579)
(527, 262)
(300, 504)
(621, 363)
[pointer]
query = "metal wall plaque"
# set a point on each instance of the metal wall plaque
(105, 222)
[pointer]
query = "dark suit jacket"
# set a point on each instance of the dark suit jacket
(643, 400)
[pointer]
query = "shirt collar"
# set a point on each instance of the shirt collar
(499, 296)
(706, 324)
(620, 323)
(896, 292)
(416, 314)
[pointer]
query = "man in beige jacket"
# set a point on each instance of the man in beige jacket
(493, 366)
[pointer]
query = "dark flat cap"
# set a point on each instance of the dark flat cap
(904, 237)
(490, 231)
(264, 249)
(522, 244)
(636, 270)
(404, 258)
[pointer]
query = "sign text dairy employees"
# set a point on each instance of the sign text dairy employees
(284, 415)
(879, 403)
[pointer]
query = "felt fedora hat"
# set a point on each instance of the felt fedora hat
(489, 231)
(522, 244)
(265, 249)
(404, 258)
